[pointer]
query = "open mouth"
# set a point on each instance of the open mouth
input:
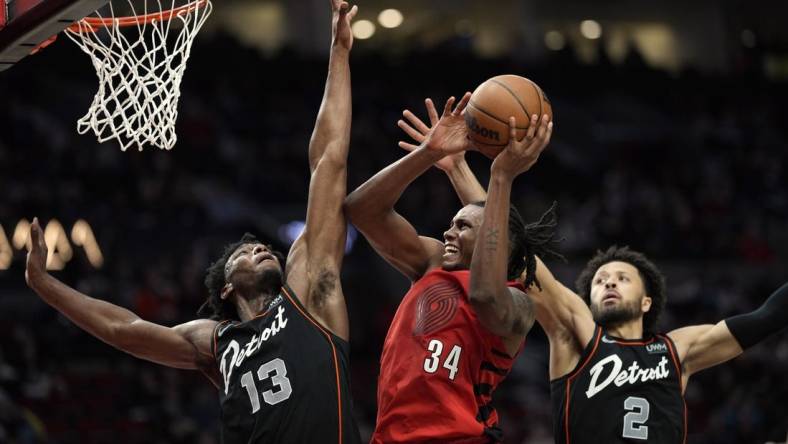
(610, 296)
(263, 257)
(449, 249)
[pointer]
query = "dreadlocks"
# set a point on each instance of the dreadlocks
(214, 306)
(526, 242)
(540, 240)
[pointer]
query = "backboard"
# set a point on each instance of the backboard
(25, 24)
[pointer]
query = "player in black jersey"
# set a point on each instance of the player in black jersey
(606, 354)
(276, 344)
(614, 378)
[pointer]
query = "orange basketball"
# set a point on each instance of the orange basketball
(497, 99)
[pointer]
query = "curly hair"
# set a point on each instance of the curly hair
(527, 241)
(653, 280)
(214, 306)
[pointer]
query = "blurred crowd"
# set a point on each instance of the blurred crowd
(686, 167)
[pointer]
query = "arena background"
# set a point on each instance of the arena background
(670, 137)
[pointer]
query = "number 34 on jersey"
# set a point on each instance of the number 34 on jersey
(451, 361)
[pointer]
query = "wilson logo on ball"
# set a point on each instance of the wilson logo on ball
(474, 126)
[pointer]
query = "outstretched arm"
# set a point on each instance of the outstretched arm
(186, 346)
(559, 310)
(704, 346)
(371, 206)
(496, 306)
(315, 258)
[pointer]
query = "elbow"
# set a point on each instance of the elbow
(333, 159)
(121, 336)
(486, 302)
(495, 316)
(479, 297)
(117, 336)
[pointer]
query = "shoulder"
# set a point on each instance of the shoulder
(196, 327)
(199, 333)
(685, 336)
(524, 311)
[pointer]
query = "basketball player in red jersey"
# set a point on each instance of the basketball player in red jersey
(274, 337)
(605, 352)
(459, 328)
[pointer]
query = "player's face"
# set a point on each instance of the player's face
(618, 294)
(250, 262)
(460, 238)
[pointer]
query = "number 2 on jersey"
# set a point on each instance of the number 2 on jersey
(634, 420)
(279, 379)
(451, 363)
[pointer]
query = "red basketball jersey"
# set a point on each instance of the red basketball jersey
(439, 367)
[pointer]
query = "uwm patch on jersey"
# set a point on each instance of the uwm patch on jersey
(285, 378)
(439, 367)
(621, 391)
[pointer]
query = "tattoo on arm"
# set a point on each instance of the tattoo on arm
(491, 243)
(524, 320)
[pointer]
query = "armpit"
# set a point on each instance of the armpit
(323, 287)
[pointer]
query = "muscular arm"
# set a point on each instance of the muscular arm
(493, 302)
(371, 209)
(560, 311)
(490, 297)
(186, 346)
(703, 346)
(315, 258)
(371, 206)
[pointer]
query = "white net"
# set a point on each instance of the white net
(139, 72)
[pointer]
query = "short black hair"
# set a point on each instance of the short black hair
(214, 306)
(653, 280)
(527, 241)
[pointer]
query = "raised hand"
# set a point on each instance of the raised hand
(520, 155)
(37, 254)
(418, 131)
(449, 134)
(342, 15)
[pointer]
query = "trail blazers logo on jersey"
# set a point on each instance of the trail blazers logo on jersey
(436, 308)
(612, 367)
(237, 353)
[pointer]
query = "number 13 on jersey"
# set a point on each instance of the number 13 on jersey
(452, 361)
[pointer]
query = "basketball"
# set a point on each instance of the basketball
(497, 99)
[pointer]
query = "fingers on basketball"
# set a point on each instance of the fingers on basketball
(532, 127)
(512, 131)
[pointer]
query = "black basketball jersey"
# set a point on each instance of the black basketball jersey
(622, 391)
(285, 379)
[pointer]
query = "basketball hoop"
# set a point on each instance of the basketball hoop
(139, 75)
